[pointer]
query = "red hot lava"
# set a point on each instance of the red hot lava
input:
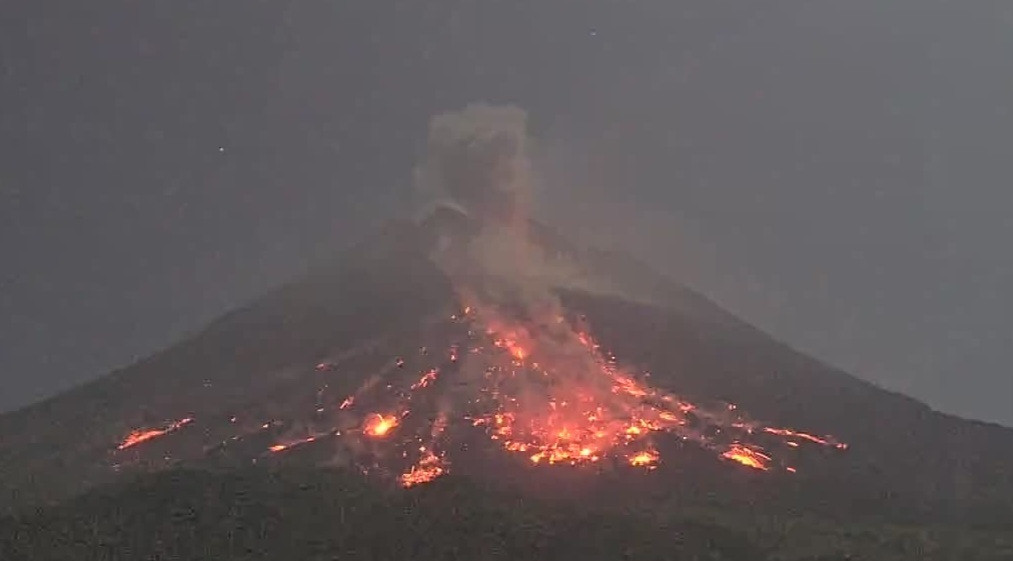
(550, 393)
(379, 425)
(428, 468)
(748, 456)
(542, 389)
(138, 436)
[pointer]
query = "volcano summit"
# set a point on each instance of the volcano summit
(474, 341)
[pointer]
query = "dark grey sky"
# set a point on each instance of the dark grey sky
(839, 173)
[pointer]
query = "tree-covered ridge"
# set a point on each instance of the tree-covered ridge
(335, 515)
(318, 515)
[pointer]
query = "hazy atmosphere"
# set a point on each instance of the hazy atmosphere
(838, 174)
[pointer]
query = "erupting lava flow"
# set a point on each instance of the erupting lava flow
(570, 403)
(542, 389)
(516, 368)
(138, 436)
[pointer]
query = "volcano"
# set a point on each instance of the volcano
(473, 341)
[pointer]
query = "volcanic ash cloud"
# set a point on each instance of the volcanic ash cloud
(476, 161)
(477, 158)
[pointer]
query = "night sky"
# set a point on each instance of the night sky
(838, 173)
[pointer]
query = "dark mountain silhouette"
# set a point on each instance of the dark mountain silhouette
(341, 323)
(473, 355)
(275, 370)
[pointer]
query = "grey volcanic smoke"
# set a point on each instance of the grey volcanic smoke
(477, 157)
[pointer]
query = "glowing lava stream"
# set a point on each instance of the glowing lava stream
(828, 441)
(282, 446)
(540, 388)
(748, 456)
(586, 409)
(138, 436)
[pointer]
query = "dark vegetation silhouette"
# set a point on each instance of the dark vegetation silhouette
(330, 514)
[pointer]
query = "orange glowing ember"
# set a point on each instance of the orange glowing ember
(429, 467)
(747, 456)
(426, 379)
(828, 441)
(513, 346)
(138, 436)
(647, 458)
(281, 447)
(380, 425)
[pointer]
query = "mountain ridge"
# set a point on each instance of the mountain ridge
(352, 306)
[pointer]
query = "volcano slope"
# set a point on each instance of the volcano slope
(306, 377)
(277, 374)
(474, 346)
(269, 385)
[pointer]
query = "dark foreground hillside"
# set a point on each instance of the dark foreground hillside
(260, 364)
(332, 515)
(318, 514)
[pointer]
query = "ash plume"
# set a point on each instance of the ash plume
(477, 162)
(477, 159)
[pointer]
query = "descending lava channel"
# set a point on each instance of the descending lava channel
(546, 391)
(542, 389)
(552, 394)
(142, 435)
